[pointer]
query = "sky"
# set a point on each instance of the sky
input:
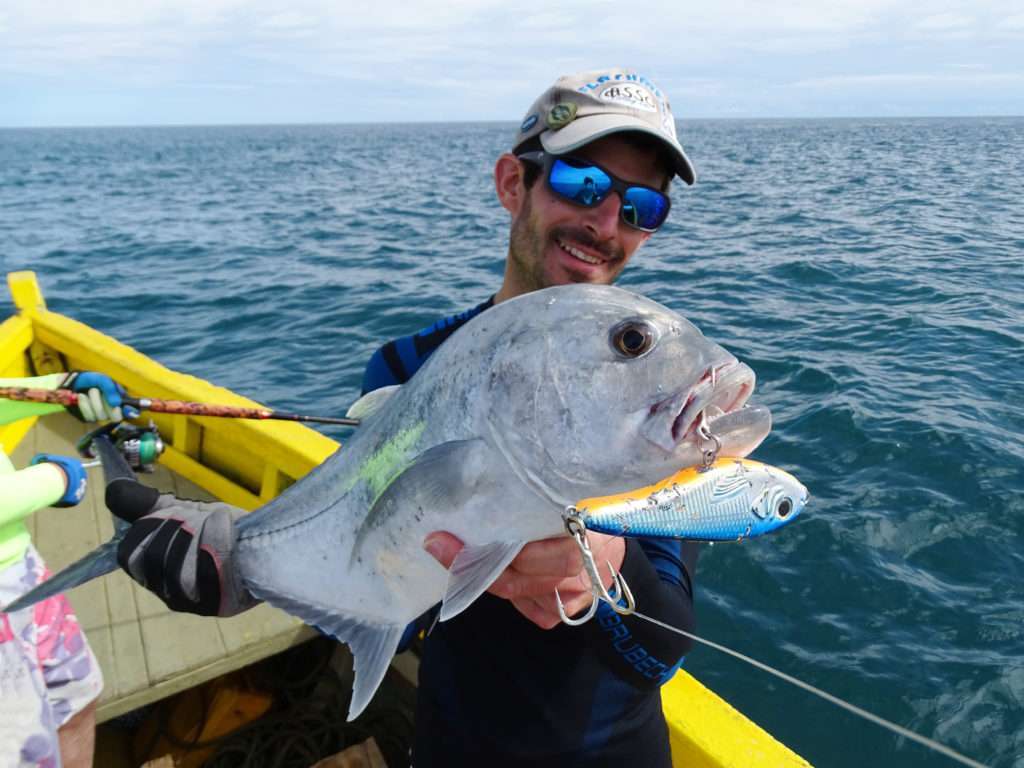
(174, 62)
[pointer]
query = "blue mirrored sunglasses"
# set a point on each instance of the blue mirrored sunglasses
(585, 183)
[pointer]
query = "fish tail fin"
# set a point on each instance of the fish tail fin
(128, 499)
(100, 561)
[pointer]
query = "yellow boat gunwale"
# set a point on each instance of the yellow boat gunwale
(246, 463)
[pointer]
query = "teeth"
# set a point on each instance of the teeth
(579, 254)
(712, 412)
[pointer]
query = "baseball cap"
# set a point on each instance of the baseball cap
(585, 106)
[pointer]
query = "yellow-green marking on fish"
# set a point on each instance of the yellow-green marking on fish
(389, 461)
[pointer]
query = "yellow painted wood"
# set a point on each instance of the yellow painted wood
(15, 338)
(271, 485)
(186, 435)
(28, 298)
(296, 449)
(216, 484)
(25, 291)
(705, 732)
(11, 435)
(224, 445)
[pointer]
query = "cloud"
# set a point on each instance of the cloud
(484, 59)
(1012, 23)
(909, 80)
(942, 22)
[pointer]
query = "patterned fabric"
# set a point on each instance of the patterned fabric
(48, 673)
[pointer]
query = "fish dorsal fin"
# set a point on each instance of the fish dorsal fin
(475, 568)
(371, 402)
(373, 644)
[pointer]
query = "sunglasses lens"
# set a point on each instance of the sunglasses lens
(644, 208)
(582, 184)
(587, 184)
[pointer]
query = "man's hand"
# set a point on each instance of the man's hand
(181, 551)
(74, 477)
(99, 397)
(530, 580)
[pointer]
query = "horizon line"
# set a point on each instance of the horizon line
(82, 126)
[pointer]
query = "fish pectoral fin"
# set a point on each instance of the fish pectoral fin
(445, 476)
(475, 568)
(371, 402)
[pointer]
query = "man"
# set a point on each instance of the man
(49, 678)
(495, 687)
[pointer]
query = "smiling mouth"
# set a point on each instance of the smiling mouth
(722, 389)
(576, 253)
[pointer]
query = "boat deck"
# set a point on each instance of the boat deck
(146, 651)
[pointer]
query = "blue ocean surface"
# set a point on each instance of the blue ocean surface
(870, 271)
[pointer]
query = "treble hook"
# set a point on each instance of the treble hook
(620, 590)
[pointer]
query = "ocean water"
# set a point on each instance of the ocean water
(870, 271)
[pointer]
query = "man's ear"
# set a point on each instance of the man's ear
(508, 182)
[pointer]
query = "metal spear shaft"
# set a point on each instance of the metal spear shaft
(67, 398)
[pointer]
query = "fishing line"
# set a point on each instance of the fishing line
(881, 721)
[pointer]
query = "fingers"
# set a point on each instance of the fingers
(165, 556)
(543, 611)
(558, 557)
(101, 405)
(532, 610)
(89, 406)
(99, 396)
(443, 547)
(130, 500)
(540, 568)
(537, 569)
(531, 579)
(94, 406)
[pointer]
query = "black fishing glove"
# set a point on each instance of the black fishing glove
(180, 550)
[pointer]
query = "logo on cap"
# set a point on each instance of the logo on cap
(561, 115)
(630, 95)
(528, 123)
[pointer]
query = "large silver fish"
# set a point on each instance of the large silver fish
(545, 399)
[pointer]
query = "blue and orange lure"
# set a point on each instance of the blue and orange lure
(730, 500)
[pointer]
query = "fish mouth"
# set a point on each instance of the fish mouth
(722, 390)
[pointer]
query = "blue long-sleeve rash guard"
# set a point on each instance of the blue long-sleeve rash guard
(496, 690)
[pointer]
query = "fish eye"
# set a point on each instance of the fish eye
(633, 338)
(784, 507)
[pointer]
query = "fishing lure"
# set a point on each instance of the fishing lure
(726, 500)
(730, 500)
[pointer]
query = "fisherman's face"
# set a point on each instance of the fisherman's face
(554, 242)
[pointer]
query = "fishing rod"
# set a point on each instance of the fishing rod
(68, 398)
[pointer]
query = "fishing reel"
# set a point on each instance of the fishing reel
(140, 446)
